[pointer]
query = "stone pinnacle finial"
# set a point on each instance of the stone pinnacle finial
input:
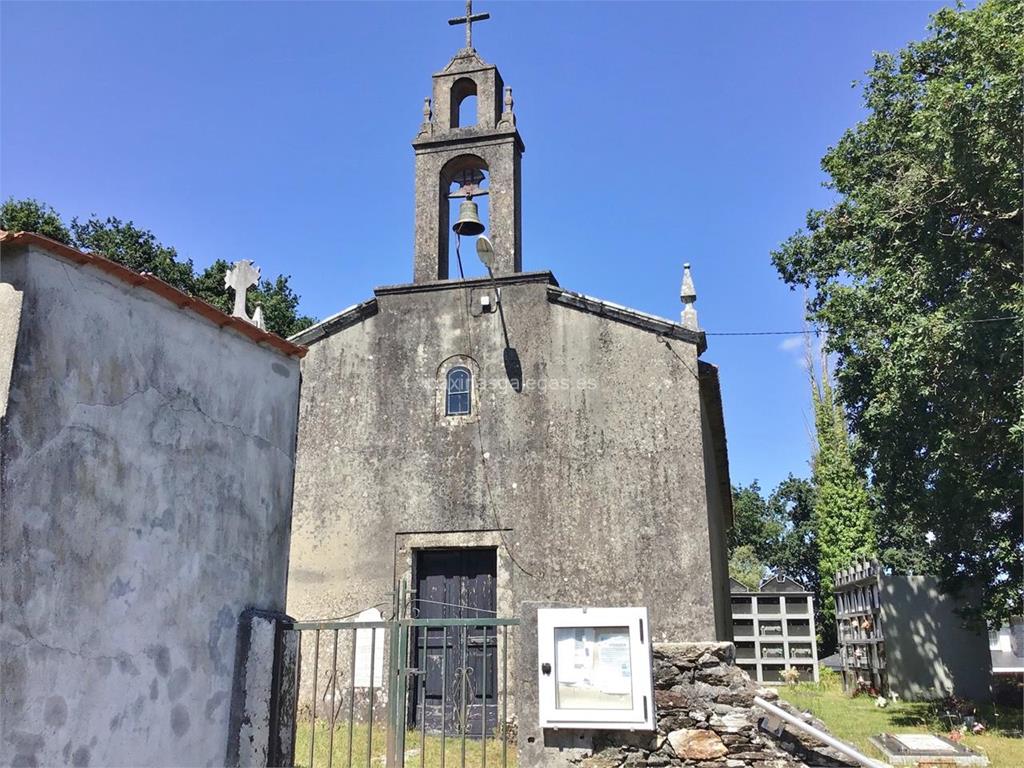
(427, 126)
(688, 295)
(507, 115)
(241, 276)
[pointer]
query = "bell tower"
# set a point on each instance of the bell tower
(482, 157)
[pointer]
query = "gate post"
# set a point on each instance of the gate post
(263, 698)
(284, 712)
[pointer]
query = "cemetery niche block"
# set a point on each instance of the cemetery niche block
(773, 629)
(902, 634)
(594, 668)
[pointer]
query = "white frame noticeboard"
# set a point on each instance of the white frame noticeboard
(629, 665)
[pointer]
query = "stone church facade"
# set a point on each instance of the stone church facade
(502, 440)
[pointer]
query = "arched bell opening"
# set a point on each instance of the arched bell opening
(462, 99)
(465, 182)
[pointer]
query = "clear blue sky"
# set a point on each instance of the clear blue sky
(656, 134)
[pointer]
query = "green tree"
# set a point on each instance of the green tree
(33, 216)
(753, 525)
(842, 515)
(798, 554)
(907, 271)
(778, 535)
(779, 528)
(138, 249)
(135, 248)
(746, 567)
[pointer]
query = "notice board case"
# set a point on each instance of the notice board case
(594, 669)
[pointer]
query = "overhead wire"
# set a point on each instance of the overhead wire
(347, 615)
(461, 606)
(818, 331)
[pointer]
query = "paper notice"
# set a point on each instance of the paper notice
(592, 668)
(612, 669)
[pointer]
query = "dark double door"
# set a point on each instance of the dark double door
(456, 665)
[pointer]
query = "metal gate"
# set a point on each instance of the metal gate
(361, 701)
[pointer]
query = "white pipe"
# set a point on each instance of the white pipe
(820, 735)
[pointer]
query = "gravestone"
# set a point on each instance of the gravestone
(925, 749)
(367, 655)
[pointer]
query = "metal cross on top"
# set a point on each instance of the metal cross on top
(468, 20)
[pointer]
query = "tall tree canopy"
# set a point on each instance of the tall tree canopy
(910, 271)
(138, 249)
(842, 516)
(796, 553)
(779, 528)
(753, 524)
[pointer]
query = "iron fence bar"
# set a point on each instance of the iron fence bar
(483, 708)
(402, 628)
(487, 622)
(444, 690)
(369, 718)
(298, 626)
(400, 699)
(334, 709)
(423, 698)
(391, 736)
(504, 697)
(352, 697)
(464, 673)
(301, 625)
(312, 712)
(298, 682)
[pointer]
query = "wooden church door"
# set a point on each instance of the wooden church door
(456, 584)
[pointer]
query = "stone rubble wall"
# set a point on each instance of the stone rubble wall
(707, 718)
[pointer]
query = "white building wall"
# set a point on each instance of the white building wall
(147, 460)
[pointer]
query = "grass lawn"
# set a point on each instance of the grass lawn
(855, 719)
(430, 756)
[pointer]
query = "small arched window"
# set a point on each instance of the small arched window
(458, 392)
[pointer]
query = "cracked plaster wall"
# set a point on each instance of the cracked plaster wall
(147, 461)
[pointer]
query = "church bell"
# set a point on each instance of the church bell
(469, 219)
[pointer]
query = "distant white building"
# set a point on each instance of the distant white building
(1007, 648)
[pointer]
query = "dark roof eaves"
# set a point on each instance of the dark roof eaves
(633, 317)
(336, 323)
(514, 278)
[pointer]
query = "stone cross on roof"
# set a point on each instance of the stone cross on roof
(468, 20)
(242, 276)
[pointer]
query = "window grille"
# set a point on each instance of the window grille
(458, 392)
